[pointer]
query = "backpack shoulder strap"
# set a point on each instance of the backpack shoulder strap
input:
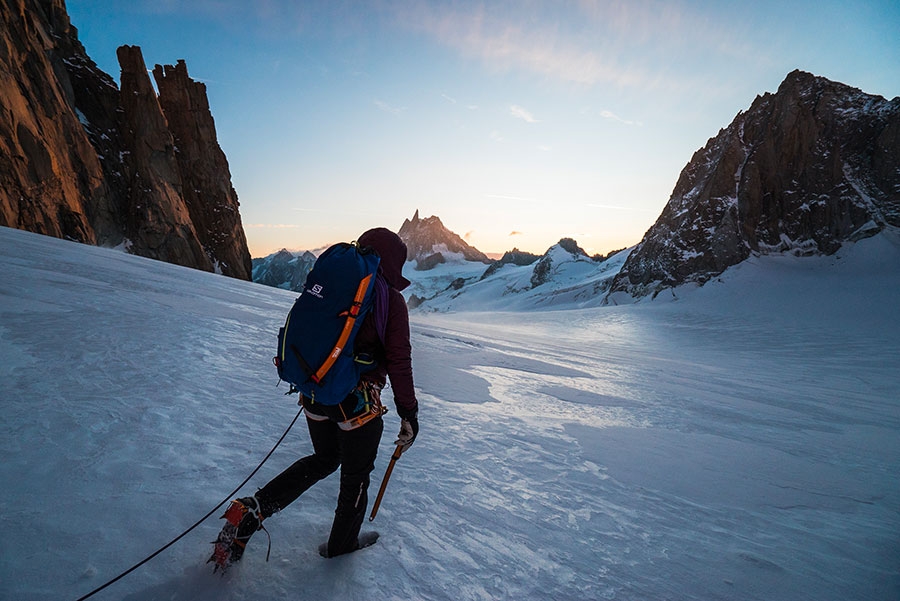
(351, 316)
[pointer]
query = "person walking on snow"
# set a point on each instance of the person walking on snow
(347, 435)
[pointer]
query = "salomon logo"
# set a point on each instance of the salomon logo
(316, 291)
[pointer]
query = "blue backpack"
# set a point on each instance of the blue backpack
(315, 346)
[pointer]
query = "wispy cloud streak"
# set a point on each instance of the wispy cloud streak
(387, 108)
(504, 42)
(621, 43)
(521, 113)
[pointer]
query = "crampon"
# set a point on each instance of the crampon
(242, 519)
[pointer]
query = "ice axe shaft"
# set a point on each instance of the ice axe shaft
(387, 475)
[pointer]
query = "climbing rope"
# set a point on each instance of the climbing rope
(200, 521)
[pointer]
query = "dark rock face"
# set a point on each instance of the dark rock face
(49, 172)
(205, 177)
(158, 223)
(430, 262)
(566, 249)
(541, 272)
(80, 159)
(513, 257)
(96, 99)
(803, 170)
(414, 302)
(571, 246)
(426, 237)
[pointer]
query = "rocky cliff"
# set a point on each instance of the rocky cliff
(50, 175)
(84, 160)
(211, 201)
(428, 242)
(803, 170)
(565, 251)
(510, 257)
(158, 223)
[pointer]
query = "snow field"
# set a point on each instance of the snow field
(738, 443)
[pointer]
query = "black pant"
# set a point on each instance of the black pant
(354, 451)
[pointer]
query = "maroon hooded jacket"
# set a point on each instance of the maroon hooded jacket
(392, 350)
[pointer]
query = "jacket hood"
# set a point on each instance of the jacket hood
(392, 251)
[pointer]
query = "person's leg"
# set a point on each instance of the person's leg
(358, 450)
(243, 516)
(284, 489)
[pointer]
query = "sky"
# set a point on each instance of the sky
(517, 123)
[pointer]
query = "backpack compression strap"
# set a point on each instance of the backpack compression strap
(351, 315)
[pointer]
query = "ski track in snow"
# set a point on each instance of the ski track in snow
(732, 445)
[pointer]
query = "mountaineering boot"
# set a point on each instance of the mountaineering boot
(366, 539)
(242, 518)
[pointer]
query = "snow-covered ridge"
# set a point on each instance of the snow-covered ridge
(284, 269)
(564, 277)
(560, 279)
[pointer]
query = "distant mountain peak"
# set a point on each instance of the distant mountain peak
(428, 242)
(564, 251)
(571, 246)
(284, 269)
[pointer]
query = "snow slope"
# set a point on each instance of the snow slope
(739, 443)
(571, 281)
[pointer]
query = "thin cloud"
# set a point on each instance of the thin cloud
(614, 117)
(522, 113)
(589, 42)
(452, 100)
(516, 233)
(387, 108)
(271, 225)
(505, 44)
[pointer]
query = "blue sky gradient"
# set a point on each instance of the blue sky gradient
(517, 123)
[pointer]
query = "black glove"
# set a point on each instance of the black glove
(409, 429)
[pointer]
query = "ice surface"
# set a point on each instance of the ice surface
(736, 441)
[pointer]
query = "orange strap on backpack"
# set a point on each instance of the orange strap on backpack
(345, 333)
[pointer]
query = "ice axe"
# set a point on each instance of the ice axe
(387, 474)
